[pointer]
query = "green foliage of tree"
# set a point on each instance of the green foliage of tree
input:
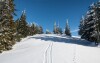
(7, 27)
(12, 31)
(89, 28)
(22, 28)
(57, 29)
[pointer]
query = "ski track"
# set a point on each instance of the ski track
(48, 54)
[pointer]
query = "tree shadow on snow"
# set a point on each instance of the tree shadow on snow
(67, 39)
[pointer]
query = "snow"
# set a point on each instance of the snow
(50, 48)
(76, 36)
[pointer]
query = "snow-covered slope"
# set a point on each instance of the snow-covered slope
(52, 49)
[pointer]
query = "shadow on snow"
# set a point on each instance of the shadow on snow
(66, 39)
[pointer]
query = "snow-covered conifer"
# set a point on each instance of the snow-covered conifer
(67, 29)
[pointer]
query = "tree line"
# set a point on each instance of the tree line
(11, 31)
(58, 30)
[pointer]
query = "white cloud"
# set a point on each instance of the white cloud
(76, 30)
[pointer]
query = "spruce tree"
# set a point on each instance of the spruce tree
(7, 28)
(97, 21)
(55, 28)
(23, 28)
(33, 28)
(81, 29)
(18, 36)
(67, 29)
(40, 30)
(91, 28)
(29, 29)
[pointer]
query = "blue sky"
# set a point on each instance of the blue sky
(46, 12)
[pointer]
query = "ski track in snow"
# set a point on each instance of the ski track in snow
(48, 54)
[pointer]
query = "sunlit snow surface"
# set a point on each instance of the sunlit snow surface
(52, 49)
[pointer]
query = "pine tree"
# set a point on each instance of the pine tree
(55, 28)
(67, 29)
(91, 28)
(60, 30)
(33, 28)
(81, 29)
(86, 26)
(7, 28)
(29, 29)
(23, 28)
(18, 36)
(40, 30)
(97, 21)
